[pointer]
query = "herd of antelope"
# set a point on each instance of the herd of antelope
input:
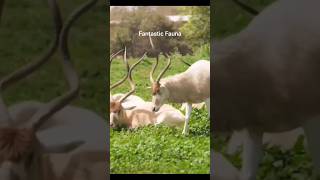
(191, 86)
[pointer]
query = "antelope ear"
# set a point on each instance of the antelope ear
(129, 108)
(62, 148)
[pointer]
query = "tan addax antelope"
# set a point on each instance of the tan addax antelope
(30, 130)
(266, 79)
(138, 115)
(191, 86)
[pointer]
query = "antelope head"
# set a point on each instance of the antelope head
(159, 92)
(20, 149)
(117, 107)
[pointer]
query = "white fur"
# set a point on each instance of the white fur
(282, 41)
(130, 101)
(195, 106)
(191, 86)
(143, 115)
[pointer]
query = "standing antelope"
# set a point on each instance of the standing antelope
(30, 130)
(266, 79)
(191, 86)
(140, 114)
(194, 106)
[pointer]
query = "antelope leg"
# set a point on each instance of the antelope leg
(187, 117)
(252, 153)
(208, 106)
(311, 129)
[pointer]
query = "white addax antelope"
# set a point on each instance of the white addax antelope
(191, 86)
(284, 140)
(29, 130)
(194, 106)
(266, 79)
(138, 115)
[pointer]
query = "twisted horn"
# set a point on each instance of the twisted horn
(127, 67)
(156, 64)
(28, 69)
(58, 103)
(114, 55)
(153, 70)
(151, 42)
(164, 70)
(185, 62)
(246, 7)
(133, 86)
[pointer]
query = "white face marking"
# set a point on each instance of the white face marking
(158, 100)
(116, 119)
(113, 119)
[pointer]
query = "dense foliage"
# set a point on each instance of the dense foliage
(197, 30)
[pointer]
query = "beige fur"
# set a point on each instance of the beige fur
(267, 79)
(191, 86)
(142, 115)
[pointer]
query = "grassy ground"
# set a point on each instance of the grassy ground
(159, 149)
(293, 164)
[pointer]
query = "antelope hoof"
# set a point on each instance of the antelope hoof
(184, 132)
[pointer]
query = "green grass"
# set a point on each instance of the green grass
(159, 149)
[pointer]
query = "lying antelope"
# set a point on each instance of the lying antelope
(138, 115)
(267, 77)
(30, 130)
(191, 86)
